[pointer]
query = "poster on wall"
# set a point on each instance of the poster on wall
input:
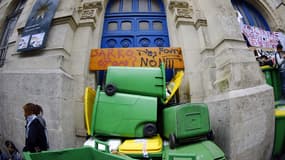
(101, 58)
(35, 33)
(260, 38)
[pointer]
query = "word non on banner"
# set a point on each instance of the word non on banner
(101, 58)
(36, 29)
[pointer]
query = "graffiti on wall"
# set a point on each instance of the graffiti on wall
(101, 58)
(260, 38)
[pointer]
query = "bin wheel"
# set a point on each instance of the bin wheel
(210, 136)
(172, 141)
(149, 130)
(110, 89)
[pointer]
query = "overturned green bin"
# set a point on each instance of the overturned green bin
(149, 81)
(124, 115)
(82, 153)
(279, 140)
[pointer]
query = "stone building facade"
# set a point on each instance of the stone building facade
(220, 70)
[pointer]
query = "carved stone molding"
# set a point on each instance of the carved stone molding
(88, 11)
(182, 10)
(65, 20)
(200, 19)
(88, 14)
(178, 4)
(183, 13)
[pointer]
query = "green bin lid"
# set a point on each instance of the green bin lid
(266, 67)
(280, 112)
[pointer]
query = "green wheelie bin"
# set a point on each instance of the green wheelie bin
(124, 115)
(203, 150)
(279, 139)
(186, 122)
(149, 81)
(272, 78)
(267, 70)
(84, 153)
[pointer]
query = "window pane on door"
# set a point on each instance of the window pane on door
(115, 6)
(143, 6)
(126, 26)
(157, 26)
(127, 6)
(144, 25)
(155, 6)
(112, 26)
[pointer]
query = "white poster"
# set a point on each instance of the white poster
(260, 38)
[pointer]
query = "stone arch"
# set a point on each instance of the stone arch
(267, 12)
(11, 6)
(12, 14)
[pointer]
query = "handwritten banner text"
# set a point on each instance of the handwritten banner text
(101, 58)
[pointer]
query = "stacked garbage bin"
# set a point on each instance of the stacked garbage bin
(127, 108)
(272, 78)
(279, 138)
(129, 122)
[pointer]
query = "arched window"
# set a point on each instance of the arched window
(251, 15)
(9, 27)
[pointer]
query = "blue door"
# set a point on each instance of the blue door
(135, 23)
(251, 15)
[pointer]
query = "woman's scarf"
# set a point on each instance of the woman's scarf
(30, 119)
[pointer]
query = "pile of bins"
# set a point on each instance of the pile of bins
(279, 138)
(272, 78)
(127, 112)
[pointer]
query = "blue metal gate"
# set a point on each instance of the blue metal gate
(135, 23)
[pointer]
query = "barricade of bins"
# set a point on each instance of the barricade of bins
(124, 121)
(279, 138)
(272, 78)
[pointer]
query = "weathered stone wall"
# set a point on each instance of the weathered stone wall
(240, 102)
(219, 70)
(47, 77)
(223, 73)
(52, 89)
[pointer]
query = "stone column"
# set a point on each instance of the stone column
(86, 37)
(185, 34)
(241, 104)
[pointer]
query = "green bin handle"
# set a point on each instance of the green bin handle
(27, 156)
(171, 156)
(97, 142)
(96, 101)
(162, 69)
